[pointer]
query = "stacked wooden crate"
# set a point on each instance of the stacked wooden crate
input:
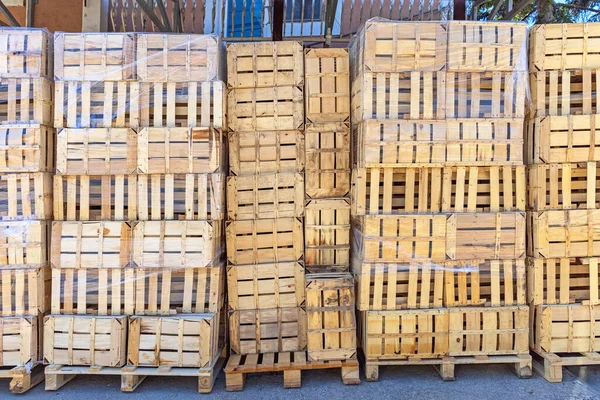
(138, 255)
(563, 202)
(439, 194)
(26, 162)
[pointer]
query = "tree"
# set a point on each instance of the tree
(536, 11)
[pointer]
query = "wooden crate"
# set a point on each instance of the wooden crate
(139, 197)
(26, 53)
(486, 94)
(26, 148)
(569, 233)
(102, 151)
(469, 142)
(20, 341)
(266, 109)
(26, 101)
(399, 286)
(104, 244)
(178, 244)
(487, 46)
(563, 139)
(178, 58)
(263, 286)
(264, 64)
(404, 95)
(399, 46)
(180, 150)
(327, 85)
(265, 196)
(24, 244)
(563, 281)
(327, 160)
(484, 283)
(266, 152)
(26, 196)
(447, 189)
(123, 104)
(137, 291)
(330, 316)
(486, 331)
(563, 186)
(177, 341)
(94, 57)
(327, 235)
(555, 93)
(564, 47)
(85, 340)
(24, 291)
(397, 335)
(264, 241)
(268, 330)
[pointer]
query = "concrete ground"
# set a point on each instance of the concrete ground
(472, 382)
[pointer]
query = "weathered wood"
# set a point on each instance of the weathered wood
(327, 86)
(327, 235)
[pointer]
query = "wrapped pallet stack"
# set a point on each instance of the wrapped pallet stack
(138, 259)
(439, 194)
(563, 203)
(26, 164)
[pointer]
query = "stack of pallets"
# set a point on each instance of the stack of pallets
(138, 255)
(26, 163)
(439, 194)
(563, 203)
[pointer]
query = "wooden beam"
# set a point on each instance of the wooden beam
(8, 14)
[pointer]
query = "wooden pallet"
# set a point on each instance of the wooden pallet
(393, 46)
(449, 284)
(26, 53)
(330, 316)
(489, 46)
(327, 235)
(327, 160)
(178, 244)
(569, 233)
(24, 244)
(264, 241)
(24, 291)
(327, 86)
(23, 377)
(265, 196)
(26, 101)
(563, 47)
(85, 340)
(264, 109)
(124, 104)
(290, 363)
(445, 366)
(21, 342)
(94, 57)
(163, 57)
(563, 139)
(564, 93)
(25, 196)
(262, 286)
(563, 281)
(131, 377)
(550, 365)
(26, 148)
(563, 186)
(266, 152)
(440, 237)
(139, 197)
(468, 142)
(435, 190)
(175, 341)
(264, 64)
(268, 330)
(139, 291)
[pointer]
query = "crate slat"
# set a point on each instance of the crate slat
(562, 93)
(26, 101)
(327, 235)
(327, 160)
(139, 197)
(20, 340)
(26, 148)
(24, 244)
(26, 53)
(25, 196)
(24, 291)
(327, 85)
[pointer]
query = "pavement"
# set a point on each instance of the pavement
(472, 382)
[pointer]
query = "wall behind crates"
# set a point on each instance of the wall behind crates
(55, 15)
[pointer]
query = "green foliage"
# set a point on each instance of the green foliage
(532, 11)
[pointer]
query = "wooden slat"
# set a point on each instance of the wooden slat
(20, 341)
(25, 196)
(26, 53)
(24, 243)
